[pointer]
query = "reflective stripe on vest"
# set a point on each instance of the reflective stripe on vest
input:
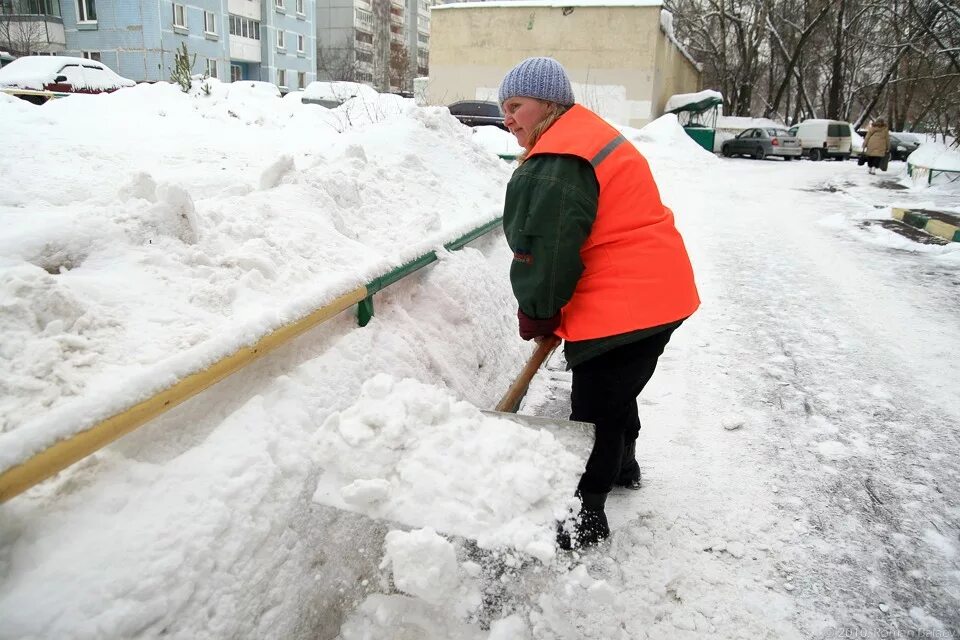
(636, 270)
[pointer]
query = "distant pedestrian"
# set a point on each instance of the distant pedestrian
(877, 145)
(597, 261)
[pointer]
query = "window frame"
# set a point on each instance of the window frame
(88, 54)
(301, 9)
(282, 78)
(83, 14)
(278, 5)
(183, 15)
(301, 43)
(210, 20)
(281, 39)
(301, 79)
(213, 64)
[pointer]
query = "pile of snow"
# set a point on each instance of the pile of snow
(497, 140)
(665, 143)
(196, 225)
(399, 455)
(933, 155)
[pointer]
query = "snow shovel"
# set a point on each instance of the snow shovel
(576, 436)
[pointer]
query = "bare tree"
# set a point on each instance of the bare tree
(22, 35)
(338, 63)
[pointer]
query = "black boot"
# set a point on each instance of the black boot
(629, 476)
(589, 527)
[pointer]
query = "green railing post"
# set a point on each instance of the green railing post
(365, 306)
(365, 311)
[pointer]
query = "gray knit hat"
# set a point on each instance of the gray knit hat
(542, 78)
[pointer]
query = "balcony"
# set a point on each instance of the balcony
(29, 33)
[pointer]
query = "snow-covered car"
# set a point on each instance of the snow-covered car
(333, 94)
(761, 142)
(902, 144)
(40, 78)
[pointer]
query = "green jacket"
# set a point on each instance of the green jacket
(550, 207)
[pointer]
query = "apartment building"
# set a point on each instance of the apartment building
(384, 43)
(268, 40)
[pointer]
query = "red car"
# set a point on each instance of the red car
(40, 78)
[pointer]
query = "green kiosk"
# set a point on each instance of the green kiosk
(697, 114)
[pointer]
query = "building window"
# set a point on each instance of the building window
(179, 16)
(300, 7)
(210, 22)
(363, 56)
(281, 77)
(279, 4)
(91, 55)
(364, 37)
(281, 39)
(244, 27)
(212, 68)
(302, 79)
(86, 11)
(236, 73)
(423, 39)
(300, 40)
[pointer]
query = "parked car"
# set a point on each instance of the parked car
(40, 78)
(822, 139)
(6, 58)
(476, 113)
(902, 144)
(761, 142)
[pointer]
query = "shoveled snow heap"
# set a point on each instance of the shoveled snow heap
(399, 454)
(197, 225)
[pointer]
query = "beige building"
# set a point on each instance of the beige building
(621, 55)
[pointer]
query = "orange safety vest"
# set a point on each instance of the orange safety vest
(636, 270)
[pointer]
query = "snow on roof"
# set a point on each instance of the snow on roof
(666, 25)
(32, 72)
(684, 99)
(551, 3)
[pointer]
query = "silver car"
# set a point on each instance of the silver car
(762, 142)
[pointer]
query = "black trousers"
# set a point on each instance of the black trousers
(604, 392)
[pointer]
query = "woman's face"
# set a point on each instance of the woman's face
(521, 115)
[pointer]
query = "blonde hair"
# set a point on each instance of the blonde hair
(554, 111)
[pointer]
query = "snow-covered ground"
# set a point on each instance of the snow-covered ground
(800, 448)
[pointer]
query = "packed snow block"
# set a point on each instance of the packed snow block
(174, 214)
(273, 175)
(411, 453)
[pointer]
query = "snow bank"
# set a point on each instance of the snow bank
(666, 144)
(413, 454)
(497, 140)
(193, 225)
(933, 155)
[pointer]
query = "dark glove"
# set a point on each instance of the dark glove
(531, 328)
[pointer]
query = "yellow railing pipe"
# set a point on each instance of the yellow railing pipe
(64, 453)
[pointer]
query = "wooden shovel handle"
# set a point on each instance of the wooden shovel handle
(511, 399)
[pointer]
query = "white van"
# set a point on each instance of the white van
(823, 138)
